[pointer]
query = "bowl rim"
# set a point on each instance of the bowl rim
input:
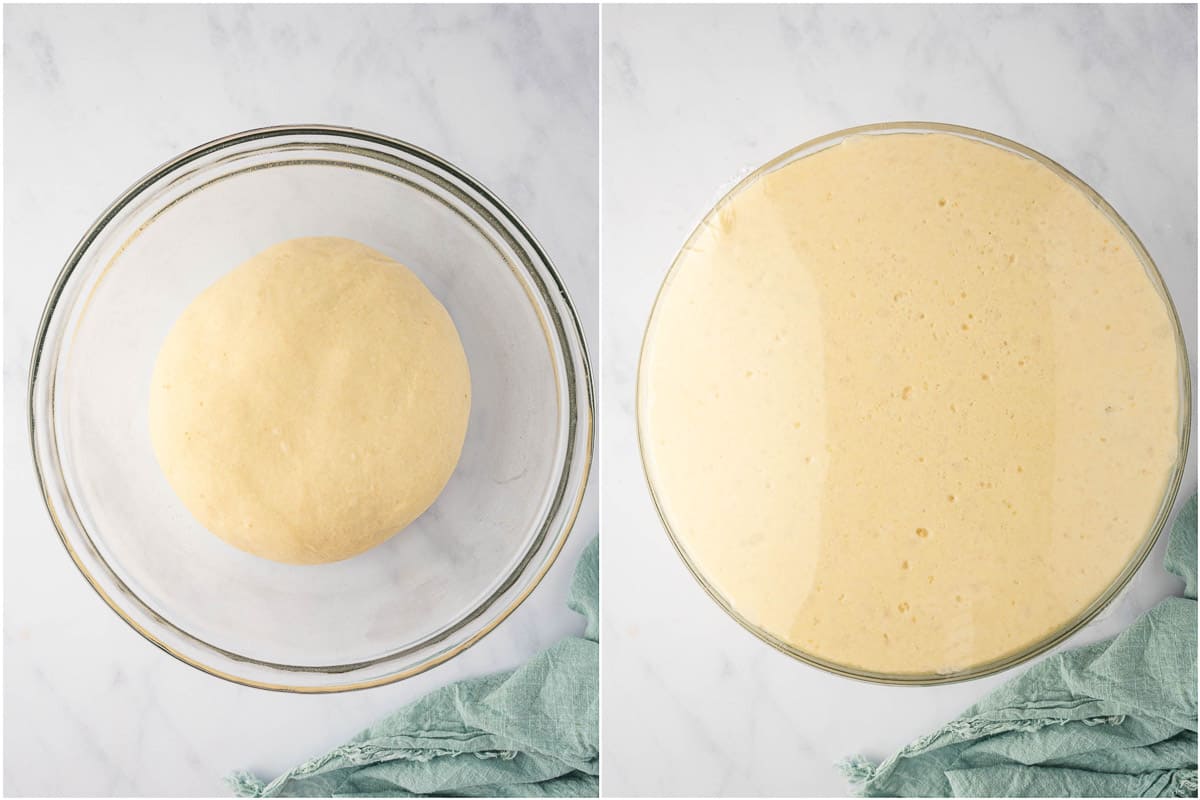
(1118, 585)
(571, 343)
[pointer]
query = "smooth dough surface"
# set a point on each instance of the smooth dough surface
(312, 402)
(911, 403)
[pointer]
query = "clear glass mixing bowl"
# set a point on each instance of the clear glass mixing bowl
(1085, 614)
(428, 593)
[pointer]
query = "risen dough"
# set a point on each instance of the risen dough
(312, 402)
(910, 403)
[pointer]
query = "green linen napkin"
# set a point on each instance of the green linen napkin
(1113, 719)
(530, 732)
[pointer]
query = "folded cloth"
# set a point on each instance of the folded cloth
(530, 732)
(1113, 719)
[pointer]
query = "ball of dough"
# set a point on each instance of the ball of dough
(312, 402)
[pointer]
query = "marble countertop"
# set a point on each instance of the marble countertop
(695, 96)
(97, 96)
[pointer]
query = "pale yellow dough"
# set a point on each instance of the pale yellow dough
(910, 404)
(310, 403)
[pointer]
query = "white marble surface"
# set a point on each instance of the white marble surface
(692, 96)
(95, 97)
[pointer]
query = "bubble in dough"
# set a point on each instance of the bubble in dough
(312, 402)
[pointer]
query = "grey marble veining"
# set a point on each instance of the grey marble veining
(95, 97)
(695, 96)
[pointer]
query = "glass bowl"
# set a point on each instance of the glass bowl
(428, 593)
(1086, 614)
